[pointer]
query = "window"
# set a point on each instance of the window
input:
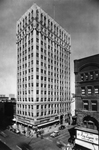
(37, 92)
(37, 62)
(41, 42)
(91, 76)
(89, 90)
(96, 89)
(37, 99)
(31, 106)
(41, 84)
(41, 56)
(37, 84)
(41, 77)
(37, 77)
(85, 105)
(37, 106)
(41, 99)
(37, 54)
(37, 47)
(37, 114)
(41, 113)
(37, 33)
(83, 91)
(41, 106)
(94, 105)
(41, 49)
(96, 74)
(37, 69)
(86, 75)
(41, 70)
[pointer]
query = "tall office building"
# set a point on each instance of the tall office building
(43, 70)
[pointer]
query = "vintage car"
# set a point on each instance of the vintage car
(54, 134)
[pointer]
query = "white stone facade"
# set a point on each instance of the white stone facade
(43, 69)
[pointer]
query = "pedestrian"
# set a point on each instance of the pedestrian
(41, 136)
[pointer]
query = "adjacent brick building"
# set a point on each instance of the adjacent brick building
(87, 95)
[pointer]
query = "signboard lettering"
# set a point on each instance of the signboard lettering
(86, 136)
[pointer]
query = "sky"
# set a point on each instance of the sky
(80, 18)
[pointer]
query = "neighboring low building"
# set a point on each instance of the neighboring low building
(87, 102)
(7, 111)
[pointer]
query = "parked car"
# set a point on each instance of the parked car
(17, 131)
(62, 127)
(54, 134)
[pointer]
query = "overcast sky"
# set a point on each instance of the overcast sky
(80, 18)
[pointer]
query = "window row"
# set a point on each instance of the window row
(49, 99)
(90, 90)
(90, 76)
(42, 113)
(92, 106)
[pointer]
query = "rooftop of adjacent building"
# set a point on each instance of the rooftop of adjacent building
(88, 57)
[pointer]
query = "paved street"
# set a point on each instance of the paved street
(3, 146)
(63, 136)
(12, 139)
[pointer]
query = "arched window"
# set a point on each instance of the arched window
(90, 122)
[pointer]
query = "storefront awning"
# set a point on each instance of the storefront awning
(55, 121)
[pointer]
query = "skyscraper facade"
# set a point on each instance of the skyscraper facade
(43, 69)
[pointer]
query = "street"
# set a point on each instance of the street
(13, 140)
(3, 146)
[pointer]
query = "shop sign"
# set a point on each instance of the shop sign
(44, 121)
(86, 136)
(24, 120)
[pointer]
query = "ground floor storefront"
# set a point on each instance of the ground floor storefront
(26, 127)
